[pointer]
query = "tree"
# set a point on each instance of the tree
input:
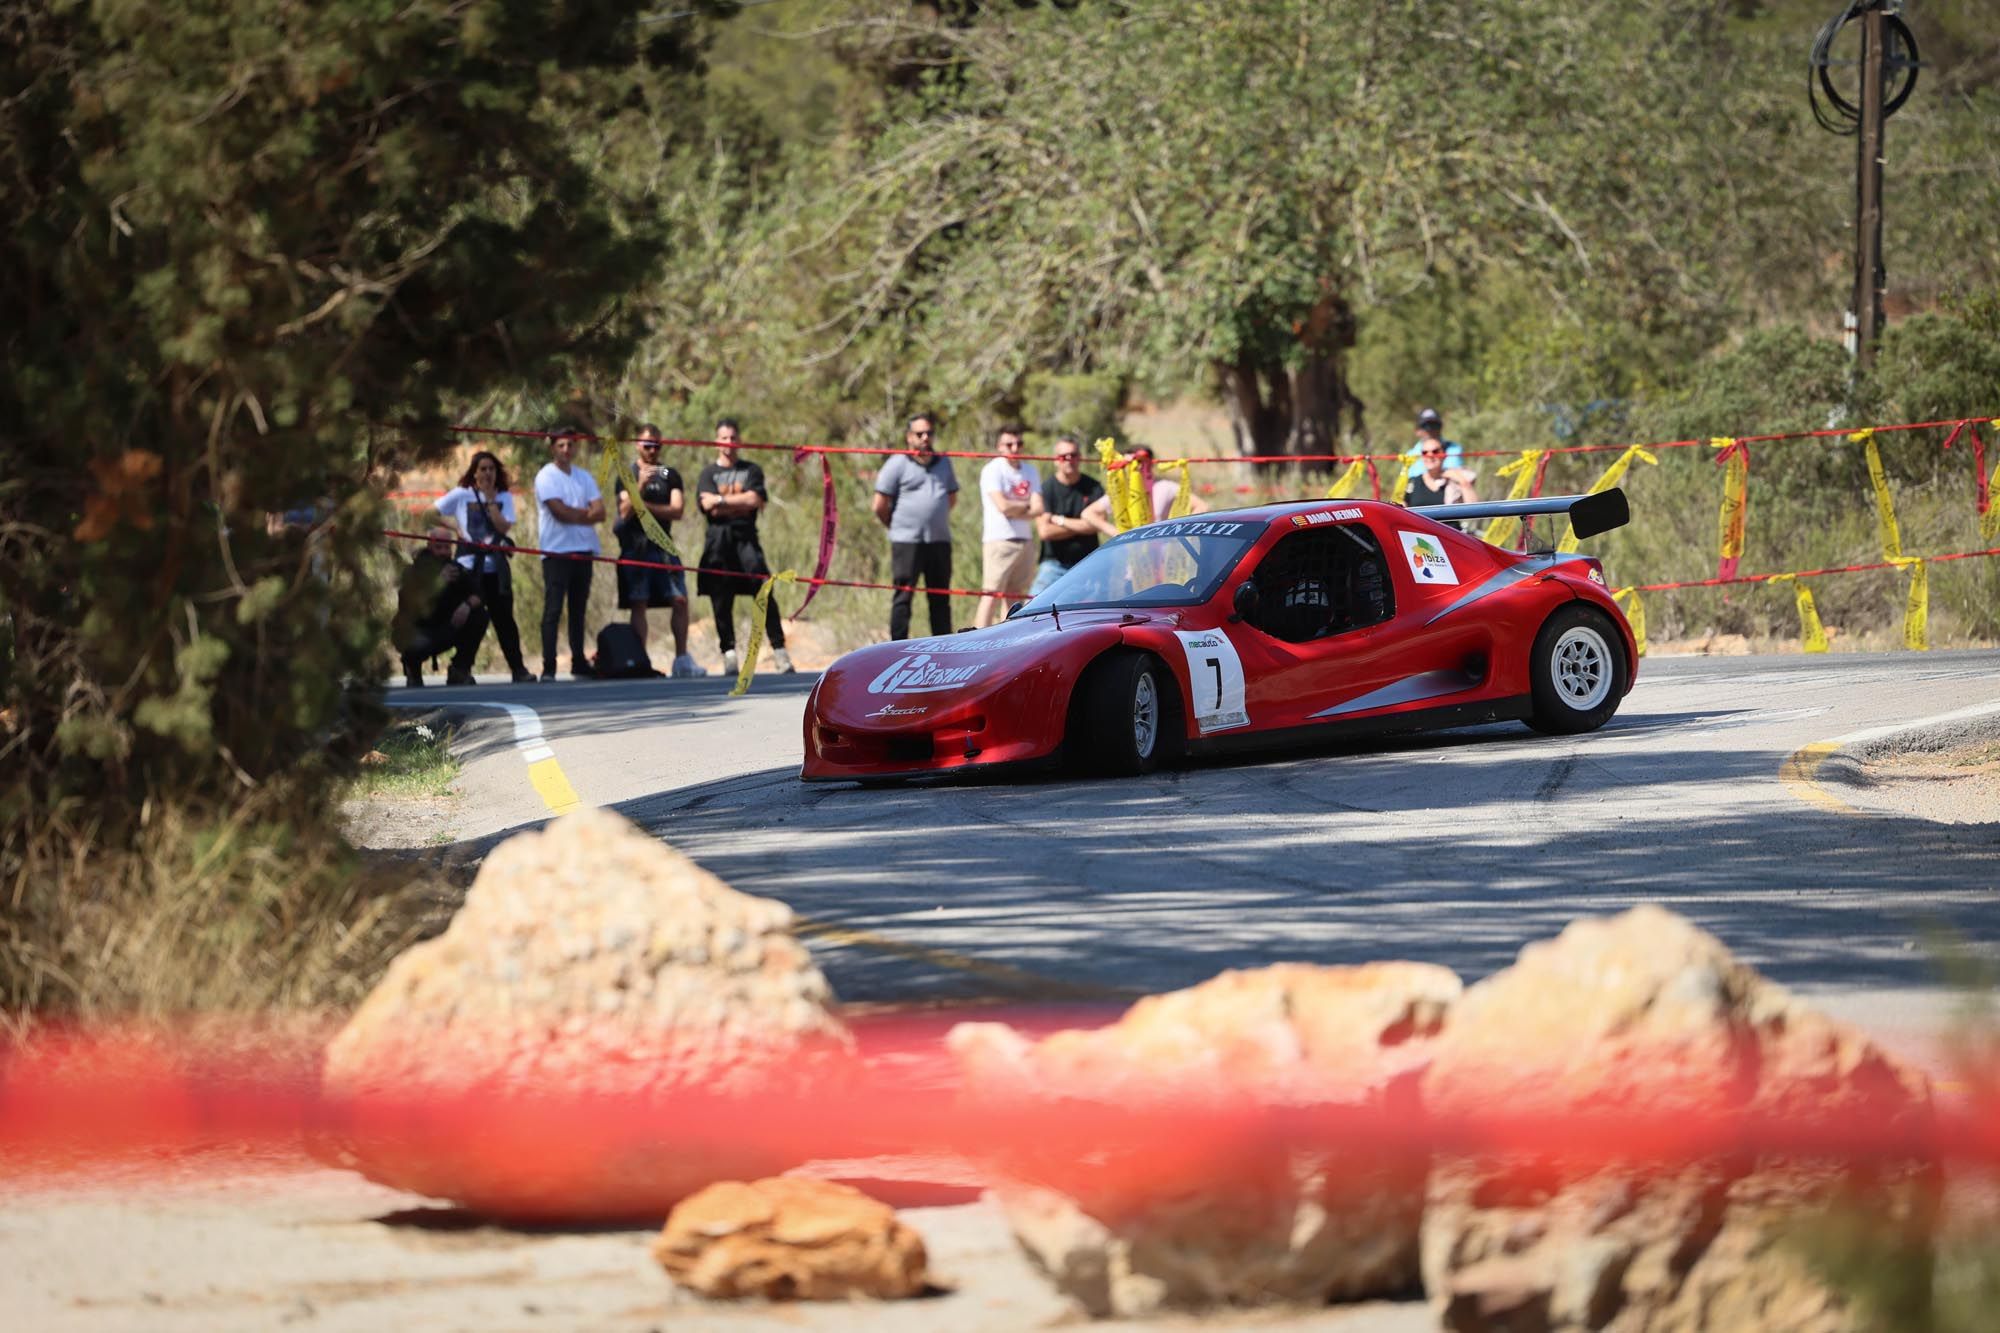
(253, 252)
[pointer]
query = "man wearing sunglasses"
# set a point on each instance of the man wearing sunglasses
(914, 496)
(1075, 514)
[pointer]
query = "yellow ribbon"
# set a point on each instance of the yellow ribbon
(1183, 504)
(1989, 522)
(1885, 504)
(606, 474)
(1735, 503)
(1348, 482)
(1131, 506)
(756, 644)
(1502, 531)
(1635, 614)
(1917, 615)
(1396, 475)
(1612, 476)
(1812, 634)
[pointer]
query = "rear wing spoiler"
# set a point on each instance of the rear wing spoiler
(1588, 514)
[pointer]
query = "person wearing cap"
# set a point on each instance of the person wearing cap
(1430, 426)
(438, 610)
(570, 508)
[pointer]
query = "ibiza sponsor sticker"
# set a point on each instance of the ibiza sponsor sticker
(918, 674)
(1428, 561)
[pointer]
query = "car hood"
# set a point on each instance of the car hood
(911, 682)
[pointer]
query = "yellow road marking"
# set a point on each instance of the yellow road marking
(553, 787)
(1013, 978)
(1800, 774)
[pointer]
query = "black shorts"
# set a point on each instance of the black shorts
(653, 587)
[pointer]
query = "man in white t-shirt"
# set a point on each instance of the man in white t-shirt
(570, 507)
(1011, 495)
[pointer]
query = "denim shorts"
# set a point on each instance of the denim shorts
(654, 587)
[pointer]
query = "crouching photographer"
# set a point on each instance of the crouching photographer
(437, 610)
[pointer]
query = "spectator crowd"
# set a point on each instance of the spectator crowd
(1033, 530)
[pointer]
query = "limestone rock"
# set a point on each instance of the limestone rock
(1234, 1223)
(791, 1238)
(1646, 1013)
(592, 970)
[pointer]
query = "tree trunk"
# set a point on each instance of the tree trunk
(1306, 409)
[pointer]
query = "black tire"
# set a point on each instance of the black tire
(1577, 671)
(1109, 730)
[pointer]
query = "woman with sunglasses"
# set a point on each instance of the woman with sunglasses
(1438, 484)
(482, 507)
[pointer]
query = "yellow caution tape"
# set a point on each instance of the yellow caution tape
(1395, 475)
(1735, 503)
(606, 474)
(1502, 531)
(1612, 476)
(1183, 504)
(1635, 614)
(1885, 504)
(1812, 634)
(1131, 506)
(1989, 522)
(1917, 615)
(756, 644)
(1348, 482)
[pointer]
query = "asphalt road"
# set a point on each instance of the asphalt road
(1455, 848)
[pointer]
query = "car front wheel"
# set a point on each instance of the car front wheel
(1577, 672)
(1125, 718)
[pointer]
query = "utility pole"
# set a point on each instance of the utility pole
(1888, 52)
(1864, 312)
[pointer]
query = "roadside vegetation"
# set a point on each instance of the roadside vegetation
(260, 257)
(412, 759)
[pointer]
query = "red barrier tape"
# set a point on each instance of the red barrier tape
(78, 1102)
(1802, 573)
(1255, 459)
(829, 528)
(697, 569)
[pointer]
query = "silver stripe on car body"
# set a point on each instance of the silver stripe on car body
(1505, 578)
(1426, 685)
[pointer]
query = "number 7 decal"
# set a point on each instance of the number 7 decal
(1209, 652)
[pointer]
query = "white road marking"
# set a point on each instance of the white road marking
(546, 775)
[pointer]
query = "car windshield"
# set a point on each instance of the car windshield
(1180, 562)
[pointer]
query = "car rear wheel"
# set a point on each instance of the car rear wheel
(1125, 717)
(1577, 672)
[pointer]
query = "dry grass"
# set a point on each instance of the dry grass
(240, 911)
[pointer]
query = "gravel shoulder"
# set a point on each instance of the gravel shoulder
(1948, 775)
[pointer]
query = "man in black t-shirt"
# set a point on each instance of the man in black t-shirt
(730, 491)
(1076, 512)
(658, 487)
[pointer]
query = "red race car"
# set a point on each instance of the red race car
(1288, 622)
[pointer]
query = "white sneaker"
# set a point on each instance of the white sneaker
(729, 667)
(783, 661)
(685, 665)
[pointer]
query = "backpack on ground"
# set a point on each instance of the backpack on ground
(620, 655)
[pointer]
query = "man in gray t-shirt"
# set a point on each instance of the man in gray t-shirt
(914, 495)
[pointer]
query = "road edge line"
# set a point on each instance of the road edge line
(1800, 769)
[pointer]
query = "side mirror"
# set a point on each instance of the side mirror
(1014, 609)
(1247, 598)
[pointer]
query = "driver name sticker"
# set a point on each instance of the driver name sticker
(1428, 561)
(1215, 680)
